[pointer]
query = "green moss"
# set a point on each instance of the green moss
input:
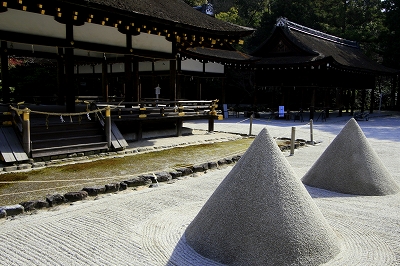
(61, 179)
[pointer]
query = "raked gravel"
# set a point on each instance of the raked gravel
(146, 226)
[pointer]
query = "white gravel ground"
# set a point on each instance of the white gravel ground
(145, 227)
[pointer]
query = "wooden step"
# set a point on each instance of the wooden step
(47, 135)
(56, 142)
(69, 149)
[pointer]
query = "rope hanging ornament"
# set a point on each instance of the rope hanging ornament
(87, 113)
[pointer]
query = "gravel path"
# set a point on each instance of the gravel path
(146, 226)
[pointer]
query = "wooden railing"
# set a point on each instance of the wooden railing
(178, 111)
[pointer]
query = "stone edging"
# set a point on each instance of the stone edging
(149, 180)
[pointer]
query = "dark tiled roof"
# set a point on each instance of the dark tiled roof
(313, 46)
(218, 55)
(169, 11)
(347, 56)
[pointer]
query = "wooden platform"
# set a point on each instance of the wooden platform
(10, 147)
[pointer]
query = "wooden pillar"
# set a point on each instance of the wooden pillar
(312, 104)
(327, 102)
(104, 79)
(398, 92)
(70, 84)
(198, 88)
(353, 101)
(372, 101)
(69, 70)
(4, 73)
(222, 96)
(128, 80)
(179, 78)
(363, 95)
(393, 93)
(173, 94)
(153, 76)
(128, 72)
(339, 100)
(135, 79)
(60, 76)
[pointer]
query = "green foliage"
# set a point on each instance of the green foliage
(390, 37)
(231, 16)
(195, 2)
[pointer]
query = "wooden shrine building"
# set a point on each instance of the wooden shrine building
(116, 40)
(304, 68)
(141, 52)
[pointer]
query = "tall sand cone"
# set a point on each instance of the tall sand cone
(261, 214)
(350, 165)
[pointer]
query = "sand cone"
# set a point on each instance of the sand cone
(261, 214)
(350, 165)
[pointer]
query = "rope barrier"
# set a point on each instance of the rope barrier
(64, 114)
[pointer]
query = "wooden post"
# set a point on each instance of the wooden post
(213, 115)
(108, 126)
(251, 124)
(211, 124)
(179, 125)
(140, 130)
(292, 141)
(26, 131)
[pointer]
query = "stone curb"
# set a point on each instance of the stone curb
(97, 155)
(150, 180)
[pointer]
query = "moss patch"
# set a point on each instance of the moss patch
(61, 179)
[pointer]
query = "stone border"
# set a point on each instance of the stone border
(149, 180)
(84, 157)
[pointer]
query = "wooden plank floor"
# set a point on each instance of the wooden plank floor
(10, 147)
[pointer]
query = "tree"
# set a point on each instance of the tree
(195, 2)
(390, 38)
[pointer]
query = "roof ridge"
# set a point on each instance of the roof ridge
(284, 22)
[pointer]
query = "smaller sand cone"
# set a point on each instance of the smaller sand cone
(350, 165)
(261, 214)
